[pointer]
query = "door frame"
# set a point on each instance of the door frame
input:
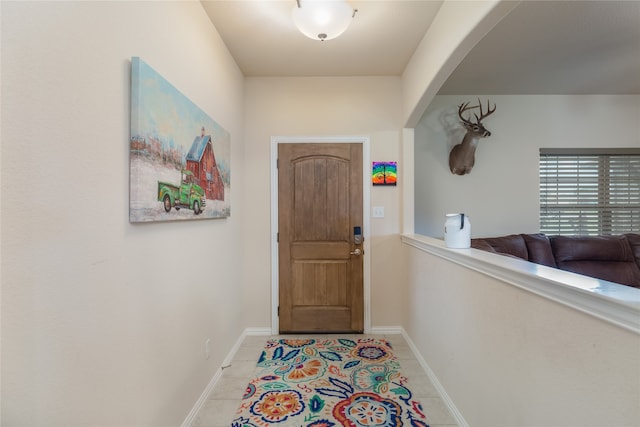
(366, 201)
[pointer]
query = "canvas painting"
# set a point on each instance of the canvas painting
(179, 156)
(384, 173)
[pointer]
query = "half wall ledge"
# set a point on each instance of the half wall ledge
(608, 301)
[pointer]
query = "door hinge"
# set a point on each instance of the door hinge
(278, 311)
(278, 163)
(278, 237)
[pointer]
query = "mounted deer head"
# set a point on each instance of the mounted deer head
(462, 156)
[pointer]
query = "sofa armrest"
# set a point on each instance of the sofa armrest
(482, 244)
(513, 245)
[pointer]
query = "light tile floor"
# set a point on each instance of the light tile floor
(225, 398)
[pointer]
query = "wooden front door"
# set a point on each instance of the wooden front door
(320, 269)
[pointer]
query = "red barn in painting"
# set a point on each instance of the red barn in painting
(202, 162)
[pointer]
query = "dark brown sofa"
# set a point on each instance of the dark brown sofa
(612, 258)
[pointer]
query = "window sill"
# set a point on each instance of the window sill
(614, 303)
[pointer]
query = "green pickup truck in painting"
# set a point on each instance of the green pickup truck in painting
(186, 195)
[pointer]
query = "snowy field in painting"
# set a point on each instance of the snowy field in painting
(144, 191)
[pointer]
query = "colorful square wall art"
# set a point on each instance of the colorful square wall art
(384, 173)
(179, 156)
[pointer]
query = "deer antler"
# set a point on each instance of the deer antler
(462, 108)
(482, 115)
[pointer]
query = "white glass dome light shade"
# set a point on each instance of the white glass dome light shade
(322, 19)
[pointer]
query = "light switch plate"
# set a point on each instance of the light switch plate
(378, 212)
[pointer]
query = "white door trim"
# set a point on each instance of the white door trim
(366, 201)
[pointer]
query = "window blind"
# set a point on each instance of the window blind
(589, 192)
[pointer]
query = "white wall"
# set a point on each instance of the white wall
(507, 357)
(368, 106)
(104, 322)
(500, 195)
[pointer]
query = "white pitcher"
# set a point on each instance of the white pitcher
(457, 231)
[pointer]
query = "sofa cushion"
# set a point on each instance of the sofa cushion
(634, 241)
(605, 257)
(539, 248)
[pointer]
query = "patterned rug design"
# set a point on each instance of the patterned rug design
(329, 382)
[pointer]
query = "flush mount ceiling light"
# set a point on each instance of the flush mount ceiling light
(322, 19)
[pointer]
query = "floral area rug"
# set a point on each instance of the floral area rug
(329, 382)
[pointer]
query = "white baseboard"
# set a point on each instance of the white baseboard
(386, 330)
(202, 399)
(436, 383)
(227, 360)
(257, 331)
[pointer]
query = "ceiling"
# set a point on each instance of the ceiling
(541, 47)
(556, 47)
(264, 41)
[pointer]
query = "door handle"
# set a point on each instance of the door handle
(357, 252)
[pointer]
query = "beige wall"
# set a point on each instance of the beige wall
(104, 322)
(369, 106)
(505, 175)
(98, 327)
(507, 357)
